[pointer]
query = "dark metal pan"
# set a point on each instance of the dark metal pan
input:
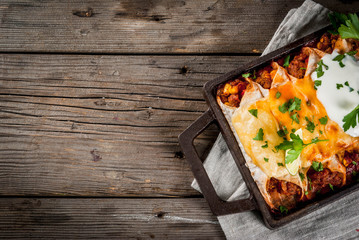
(215, 115)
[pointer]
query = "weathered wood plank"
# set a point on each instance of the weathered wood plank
(101, 125)
(140, 26)
(108, 218)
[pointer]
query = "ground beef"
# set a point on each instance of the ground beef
(231, 93)
(264, 79)
(283, 193)
(319, 181)
(351, 161)
(327, 42)
(298, 65)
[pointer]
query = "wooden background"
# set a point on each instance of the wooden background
(93, 95)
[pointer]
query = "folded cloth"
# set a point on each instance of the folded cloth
(339, 220)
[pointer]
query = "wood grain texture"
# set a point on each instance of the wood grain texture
(101, 125)
(140, 26)
(107, 219)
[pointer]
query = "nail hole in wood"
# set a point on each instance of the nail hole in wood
(184, 70)
(161, 214)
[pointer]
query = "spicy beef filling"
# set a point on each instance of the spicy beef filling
(283, 193)
(232, 92)
(298, 65)
(351, 162)
(323, 182)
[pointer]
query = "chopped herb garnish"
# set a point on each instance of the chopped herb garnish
(246, 75)
(354, 162)
(331, 187)
(277, 95)
(317, 83)
(339, 59)
(259, 136)
(286, 61)
(306, 192)
(294, 104)
(317, 166)
(339, 86)
(310, 125)
(346, 83)
(320, 131)
(282, 132)
(265, 145)
(351, 89)
(254, 112)
(319, 69)
(283, 108)
(254, 75)
(302, 68)
(295, 147)
(266, 159)
(351, 27)
(280, 164)
(294, 117)
(350, 120)
(310, 183)
(351, 53)
(293, 130)
(323, 120)
(301, 175)
(283, 209)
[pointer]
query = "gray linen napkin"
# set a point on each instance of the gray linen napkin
(339, 220)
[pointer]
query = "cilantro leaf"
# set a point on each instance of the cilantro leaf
(280, 164)
(292, 155)
(295, 147)
(259, 136)
(350, 120)
(339, 86)
(319, 69)
(316, 140)
(331, 187)
(301, 175)
(283, 108)
(285, 145)
(254, 75)
(254, 112)
(351, 27)
(294, 104)
(317, 166)
(294, 117)
(277, 95)
(286, 61)
(351, 53)
(266, 159)
(265, 145)
(310, 125)
(282, 132)
(323, 120)
(317, 83)
(339, 58)
(283, 209)
(246, 75)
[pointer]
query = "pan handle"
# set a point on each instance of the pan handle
(217, 205)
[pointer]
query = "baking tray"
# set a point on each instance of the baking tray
(214, 115)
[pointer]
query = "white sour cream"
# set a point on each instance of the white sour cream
(339, 102)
